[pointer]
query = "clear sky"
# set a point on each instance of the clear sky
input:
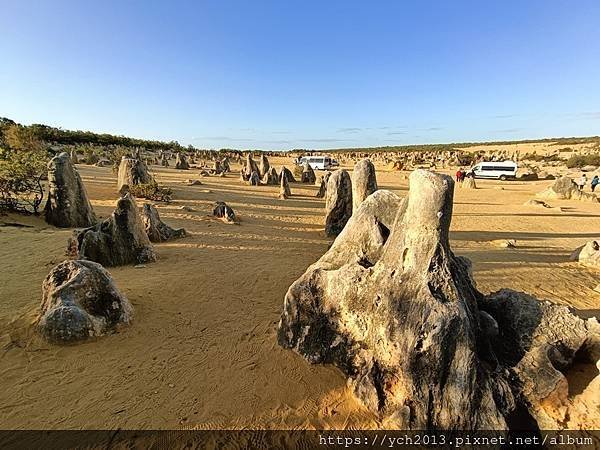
(287, 74)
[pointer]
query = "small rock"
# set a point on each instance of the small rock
(505, 243)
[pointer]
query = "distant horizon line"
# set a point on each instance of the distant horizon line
(588, 138)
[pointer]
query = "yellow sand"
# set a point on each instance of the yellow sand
(202, 349)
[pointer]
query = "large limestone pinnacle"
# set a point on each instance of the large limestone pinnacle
(393, 308)
(68, 205)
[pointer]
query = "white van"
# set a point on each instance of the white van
(496, 170)
(317, 162)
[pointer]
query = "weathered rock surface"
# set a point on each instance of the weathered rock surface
(68, 205)
(164, 160)
(323, 185)
(393, 308)
(264, 165)
(308, 174)
(181, 162)
(254, 179)
(588, 254)
(156, 229)
(364, 182)
(287, 173)
(338, 202)
(468, 183)
(223, 211)
(539, 342)
(271, 177)
(564, 188)
(284, 188)
(225, 165)
(250, 166)
(131, 172)
(538, 203)
(120, 239)
(80, 301)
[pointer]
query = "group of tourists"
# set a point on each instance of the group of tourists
(461, 174)
(582, 181)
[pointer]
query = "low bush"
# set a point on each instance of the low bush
(152, 191)
(23, 167)
(583, 160)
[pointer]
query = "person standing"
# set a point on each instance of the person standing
(582, 181)
(595, 182)
(459, 175)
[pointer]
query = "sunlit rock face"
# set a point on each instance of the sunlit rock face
(399, 314)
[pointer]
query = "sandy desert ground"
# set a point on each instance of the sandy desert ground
(202, 351)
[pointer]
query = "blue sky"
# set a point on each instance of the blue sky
(304, 74)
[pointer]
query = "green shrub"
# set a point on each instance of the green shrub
(583, 160)
(298, 171)
(23, 159)
(89, 155)
(152, 191)
(541, 158)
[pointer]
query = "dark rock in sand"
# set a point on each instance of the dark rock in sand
(323, 185)
(80, 301)
(271, 177)
(249, 167)
(254, 179)
(156, 229)
(120, 239)
(223, 211)
(181, 162)
(264, 165)
(308, 174)
(284, 188)
(287, 173)
(68, 205)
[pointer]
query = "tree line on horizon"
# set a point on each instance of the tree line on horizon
(59, 136)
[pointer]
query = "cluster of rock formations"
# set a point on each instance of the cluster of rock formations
(344, 194)
(181, 162)
(389, 303)
(118, 240)
(565, 188)
(80, 299)
(263, 174)
(392, 307)
(434, 159)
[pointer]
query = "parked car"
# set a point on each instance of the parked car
(317, 162)
(495, 170)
